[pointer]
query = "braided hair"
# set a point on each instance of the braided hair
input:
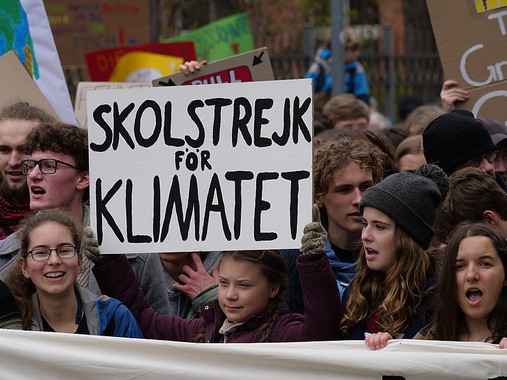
(272, 267)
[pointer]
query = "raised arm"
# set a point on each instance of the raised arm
(323, 309)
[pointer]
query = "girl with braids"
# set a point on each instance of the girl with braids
(392, 289)
(251, 297)
(472, 293)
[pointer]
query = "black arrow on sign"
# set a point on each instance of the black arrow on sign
(168, 83)
(257, 60)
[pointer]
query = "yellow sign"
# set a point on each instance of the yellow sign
(487, 5)
(142, 67)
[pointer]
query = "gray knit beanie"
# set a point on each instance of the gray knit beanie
(410, 199)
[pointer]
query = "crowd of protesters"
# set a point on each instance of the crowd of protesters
(407, 238)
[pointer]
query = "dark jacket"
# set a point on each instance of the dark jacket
(422, 319)
(343, 272)
(320, 322)
(10, 317)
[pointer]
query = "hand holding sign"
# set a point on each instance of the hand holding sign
(315, 236)
(190, 67)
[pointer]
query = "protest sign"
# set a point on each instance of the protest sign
(17, 85)
(471, 45)
(220, 39)
(101, 63)
(182, 169)
(24, 28)
(143, 67)
(247, 67)
(84, 87)
(487, 5)
(80, 27)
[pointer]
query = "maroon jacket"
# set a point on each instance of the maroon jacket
(320, 322)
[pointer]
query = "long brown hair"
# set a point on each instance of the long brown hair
(449, 319)
(22, 288)
(397, 295)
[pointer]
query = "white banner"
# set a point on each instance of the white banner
(216, 167)
(40, 355)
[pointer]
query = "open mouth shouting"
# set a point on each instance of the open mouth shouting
(474, 295)
(36, 190)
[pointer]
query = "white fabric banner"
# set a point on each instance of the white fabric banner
(41, 355)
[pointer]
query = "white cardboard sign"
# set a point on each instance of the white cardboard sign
(216, 167)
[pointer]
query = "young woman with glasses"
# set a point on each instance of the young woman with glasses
(44, 283)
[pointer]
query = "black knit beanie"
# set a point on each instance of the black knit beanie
(410, 199)
(454, 138)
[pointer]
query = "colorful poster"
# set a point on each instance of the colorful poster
(487, 5)
(101, 63)
(80, 27)
(220, 39)
(142, 67)
(24, 28)
(15, 35)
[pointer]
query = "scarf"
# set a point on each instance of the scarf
(11, 214)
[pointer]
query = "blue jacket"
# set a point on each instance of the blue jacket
(344, 272)
(100, 311)
(147, 266)
(356, 81)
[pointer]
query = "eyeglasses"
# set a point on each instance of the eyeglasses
(44, 253)
(46, 165)
(476, 162)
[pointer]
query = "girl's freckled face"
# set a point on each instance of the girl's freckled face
(243, 291)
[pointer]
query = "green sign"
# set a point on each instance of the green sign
(220, 39)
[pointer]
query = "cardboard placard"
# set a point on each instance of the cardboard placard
(80, 27)
(472, 49)
(17, 85)
(84, 87)
(101, 63)
(254, 65)
(182, 169)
